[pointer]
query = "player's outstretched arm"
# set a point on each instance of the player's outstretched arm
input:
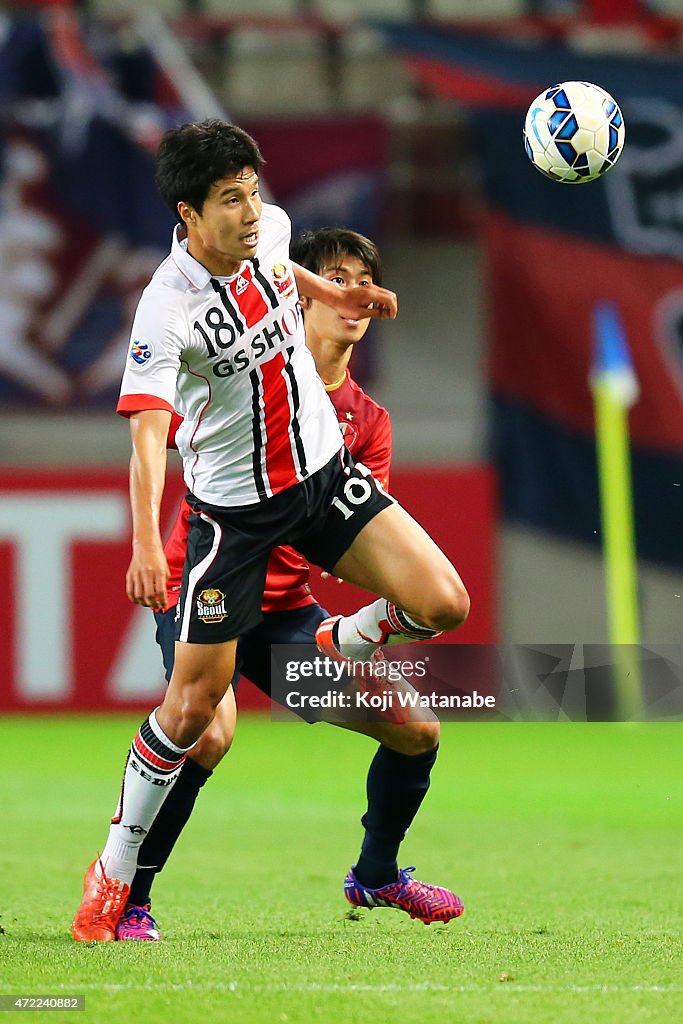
(148, 570)
(358, 303)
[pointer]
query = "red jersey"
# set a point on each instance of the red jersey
(366, 429)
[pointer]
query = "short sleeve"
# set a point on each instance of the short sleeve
(377, 450)
(153, 358)
(275, 234)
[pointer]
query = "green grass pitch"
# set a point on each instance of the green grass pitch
(564, 841)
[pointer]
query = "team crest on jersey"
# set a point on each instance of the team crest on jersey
(140, 352)
(283, 280)
(349, 433)
(211, 606)
(242, 285)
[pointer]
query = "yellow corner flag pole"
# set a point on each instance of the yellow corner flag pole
(615, 389)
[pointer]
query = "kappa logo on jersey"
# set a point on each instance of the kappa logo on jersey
(242, 285)
(211, 606)
(140, 352)
(283, 280)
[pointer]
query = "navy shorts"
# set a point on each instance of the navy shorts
(228, 548)
(253, 649)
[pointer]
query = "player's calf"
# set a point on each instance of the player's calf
(216, 740)
(201, 676)
(410, 738)
(211, 748)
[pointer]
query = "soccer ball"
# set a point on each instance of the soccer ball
(574, 132)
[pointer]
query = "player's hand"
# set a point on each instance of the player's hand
(366, 300)
(328, 576)
(147, 576)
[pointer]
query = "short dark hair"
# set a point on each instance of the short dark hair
(193, 156)
(327, 247)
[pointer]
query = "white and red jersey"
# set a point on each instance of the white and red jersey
(230, 355)
(366, 429)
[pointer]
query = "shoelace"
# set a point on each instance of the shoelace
(138, 915)
(423, 887)
(112, 897)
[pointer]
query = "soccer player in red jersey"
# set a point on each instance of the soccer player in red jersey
(399, 774)
(218, 334)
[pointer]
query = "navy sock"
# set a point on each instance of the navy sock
(396, 786)
(168, 824)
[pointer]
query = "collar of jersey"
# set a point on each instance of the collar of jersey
(191, 269)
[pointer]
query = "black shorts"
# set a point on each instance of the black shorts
(228, 548)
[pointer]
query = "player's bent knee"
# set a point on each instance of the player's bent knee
(455, 610)
(424, 737)
(446, 607)
(414, 738)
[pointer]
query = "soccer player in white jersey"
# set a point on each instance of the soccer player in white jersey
(399, 773)
(218, 332)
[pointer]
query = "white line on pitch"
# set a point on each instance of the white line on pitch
(237, 986)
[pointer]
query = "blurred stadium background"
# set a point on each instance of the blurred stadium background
(402, 119)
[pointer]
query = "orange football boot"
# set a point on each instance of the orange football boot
(103, 903)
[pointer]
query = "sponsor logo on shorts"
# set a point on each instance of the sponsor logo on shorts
(140, 352)
(284, 282)
(211, 606)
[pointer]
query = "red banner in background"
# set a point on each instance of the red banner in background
(609, 11)
(72, 641)
(542, 331)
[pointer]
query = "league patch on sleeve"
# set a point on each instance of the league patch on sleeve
(141, 352)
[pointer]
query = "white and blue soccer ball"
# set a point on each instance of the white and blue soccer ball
(574, 132)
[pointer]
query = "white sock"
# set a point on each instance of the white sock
(377, 625)
(152, 767)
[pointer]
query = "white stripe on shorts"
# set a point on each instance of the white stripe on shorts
(196, 574)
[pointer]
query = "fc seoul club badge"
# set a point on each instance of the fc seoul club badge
(211, 606)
